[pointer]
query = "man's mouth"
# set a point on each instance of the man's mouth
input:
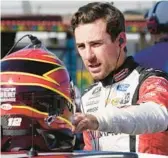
(94, 65)
(95, 68)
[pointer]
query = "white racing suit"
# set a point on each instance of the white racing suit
(132, 92)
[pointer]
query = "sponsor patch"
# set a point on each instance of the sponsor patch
(92, 109)
(125, 99)
(92, 102)
(115, 101)
(122, 87)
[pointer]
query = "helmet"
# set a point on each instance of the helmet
(36, 101)
(157, 20)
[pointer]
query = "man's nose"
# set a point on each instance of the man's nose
(89, 54)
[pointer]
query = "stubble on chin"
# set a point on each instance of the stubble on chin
(98, 76)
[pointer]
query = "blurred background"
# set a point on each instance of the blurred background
(49, 21)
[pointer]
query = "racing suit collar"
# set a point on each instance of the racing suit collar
(121, 73)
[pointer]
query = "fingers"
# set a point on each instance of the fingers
(77, 118)
(80, 122)
(82, 125)
(84, 121)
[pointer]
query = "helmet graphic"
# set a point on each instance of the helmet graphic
(35, 101)
(157, 20)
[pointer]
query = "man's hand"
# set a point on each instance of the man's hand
(83, 122)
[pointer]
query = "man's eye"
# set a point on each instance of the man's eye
(81, 46)
(96, 44)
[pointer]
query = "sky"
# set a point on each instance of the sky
(63, 6)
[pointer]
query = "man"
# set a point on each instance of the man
(156, 56)
(126, 99)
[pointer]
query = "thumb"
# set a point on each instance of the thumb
(93, 123)
(77, 118)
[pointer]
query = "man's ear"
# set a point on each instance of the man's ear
(122, 39)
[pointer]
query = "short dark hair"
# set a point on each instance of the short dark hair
(96, 10)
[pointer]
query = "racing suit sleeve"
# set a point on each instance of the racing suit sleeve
(151, 115)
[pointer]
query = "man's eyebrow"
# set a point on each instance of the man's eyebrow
(96, 41)
(90, 42)
(78, 44)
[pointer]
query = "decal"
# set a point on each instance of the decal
(8, 94)
(98, 134)
(6, 106)
(14, 121)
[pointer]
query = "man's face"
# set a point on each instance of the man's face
(96, 48)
